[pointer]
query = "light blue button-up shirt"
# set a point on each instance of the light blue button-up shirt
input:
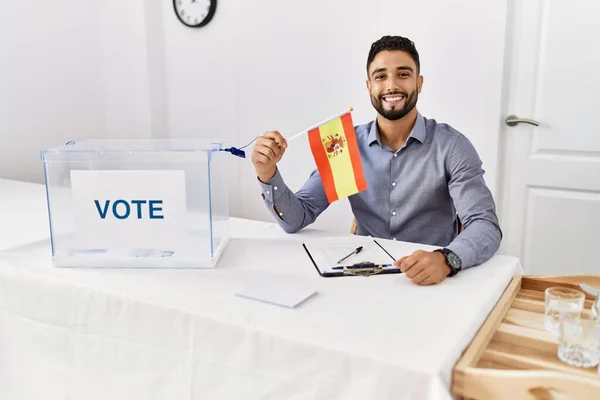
(413, 195)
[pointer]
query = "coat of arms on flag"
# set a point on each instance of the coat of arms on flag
(334, 145)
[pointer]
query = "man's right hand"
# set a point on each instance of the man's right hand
(267, 152)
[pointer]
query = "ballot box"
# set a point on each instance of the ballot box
(137, 203)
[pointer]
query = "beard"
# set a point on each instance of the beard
(393, 114)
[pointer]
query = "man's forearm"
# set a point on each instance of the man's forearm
(477, 243)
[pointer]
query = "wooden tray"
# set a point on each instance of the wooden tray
(513, 357)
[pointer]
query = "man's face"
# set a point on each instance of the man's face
(394, 84)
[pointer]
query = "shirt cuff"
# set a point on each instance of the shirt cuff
(273, 188)
(465, 253)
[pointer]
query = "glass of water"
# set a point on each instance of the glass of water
(579, 342)
(562, 303)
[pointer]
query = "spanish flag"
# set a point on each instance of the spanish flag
(335, 150)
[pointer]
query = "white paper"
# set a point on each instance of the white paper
(279, 292)
(100, 194)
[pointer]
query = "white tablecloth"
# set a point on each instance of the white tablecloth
(22, 201)
(183, 334)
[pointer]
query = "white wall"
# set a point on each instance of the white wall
(286, 65)
(71, 70)
(132, 48)
(125, 68)
(51, 88)
(131, 69)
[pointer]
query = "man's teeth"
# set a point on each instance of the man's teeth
(392, 99)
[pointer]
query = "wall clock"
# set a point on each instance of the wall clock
(195, 13)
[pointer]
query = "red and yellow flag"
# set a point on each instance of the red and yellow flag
(336, 154)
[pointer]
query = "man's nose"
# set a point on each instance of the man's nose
(392, 85)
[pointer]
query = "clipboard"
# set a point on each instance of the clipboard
(376, 260)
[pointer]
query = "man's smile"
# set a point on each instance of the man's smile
(393, 99)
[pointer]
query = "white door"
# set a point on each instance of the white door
(550, 201)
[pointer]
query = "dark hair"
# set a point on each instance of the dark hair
(394, 43)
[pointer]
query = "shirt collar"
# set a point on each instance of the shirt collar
(418, 131)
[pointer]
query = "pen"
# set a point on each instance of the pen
(356, 251)
(361, 266)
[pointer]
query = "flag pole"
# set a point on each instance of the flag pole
(239, 152)
(319, 124)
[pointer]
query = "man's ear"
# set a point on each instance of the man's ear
(420, 83)
(369, 85)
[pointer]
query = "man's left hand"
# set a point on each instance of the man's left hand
(424, 267)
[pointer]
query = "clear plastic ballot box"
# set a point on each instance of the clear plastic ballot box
(137, 203)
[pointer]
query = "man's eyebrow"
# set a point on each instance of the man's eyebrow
(378, 70)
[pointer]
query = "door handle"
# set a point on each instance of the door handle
(513, 120)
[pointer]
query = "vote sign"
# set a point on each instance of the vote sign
(121, 209)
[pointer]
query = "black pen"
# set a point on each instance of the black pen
(356, 251)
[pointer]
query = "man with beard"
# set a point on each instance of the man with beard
(425, 179)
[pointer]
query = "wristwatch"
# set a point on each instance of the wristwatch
(452, 260)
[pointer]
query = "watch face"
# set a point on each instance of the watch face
(454, 260)
(195, 13)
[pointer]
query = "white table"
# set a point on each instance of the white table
(183, 334)
(22, 201)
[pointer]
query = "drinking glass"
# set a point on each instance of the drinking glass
(579, 342)
(562, 303)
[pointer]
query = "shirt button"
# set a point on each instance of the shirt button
(267, 192)
(275, 188)
(393, 212)
(393, 183)
(395, 155)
